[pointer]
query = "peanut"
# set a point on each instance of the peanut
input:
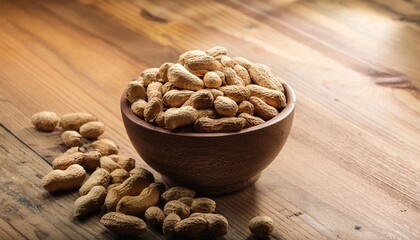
(243, 74)
(261, 226)
(108, 164)
(65, 160)
(226, 61)
(203, 205)
(214, 92)
(91, 159)
(187, 201)
(152, 109)
(217, 52)
(243, 62)
(112, 186)
(180, 117)
(261, 75)
(225, 106)
(125, 162)
(217, 225)
(168, 227)
(137, 205)
(199, 63)
(175, 98)
(168, 86)
(135, 91)
(191, 227)
(190, 54)
(67, 179)
(273, 98)
(154, 90)
(250, 120)
(138, 107)
(160, 119)
(143, 172)
(181, 78)
(262, 109)
(200, 99)
(176, 193)
(92, 130)
(227, 124)
(105, 147)
(154, 216)
(175, 206)
(100, 177)
(90, 202)
(246, 107)
(122, 224)
(212, 80)
(231, 77)
(71, 138)
(163, 71)
(149, 75)
(45, 121)
(73, 121)
(130, 187)
(208, 112)
(222, 77)
(119, 175)
(237, 93)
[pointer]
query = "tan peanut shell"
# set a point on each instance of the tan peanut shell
(149, 75)
(261, 75)
(251, 120)
(119, 175)
(71, 138)
(261, 226)
(237, 93)
(226, 124)
(92, 130)
(191, 227)
(125, 162)
(227, 61)
(163, 71)
(154, 216)
(122, 224)
(217, 51)
(246, 107)
(154, 90)
(137, 205)
(91, 159)
(272, 97)
(175, 206)
(71, 150)
(100, 177)
(108, 164)
(168, 86)
(197, 63)
(217, 225)
(231, 77)
(138, 107)
(65, 160)
(73, 121)
(262, 109)
(142, 172)
(180, 117)
(190, 54)
(243, 62)
(67, 179)
(208, 112)
(112, 186)
(176, 98)
(212, 80)
(90, 202)
(105, 146)
(130, 187)
(183, 79)
(200, 100)
(186, 200)
(225, 106)
(45, 121)
(160, 119)
(176, 193)
(203, 205)
(135, 91)
(152, 109)
(168, 227)
(243, 74)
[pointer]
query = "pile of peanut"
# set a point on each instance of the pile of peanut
(207, 91)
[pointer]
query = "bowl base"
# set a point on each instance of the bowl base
(214, 190)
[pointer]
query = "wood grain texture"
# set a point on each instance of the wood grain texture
(350, 168)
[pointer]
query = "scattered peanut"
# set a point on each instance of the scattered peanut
(70, 178)
(154, 216)
(108, 164)
(119, 175)
(261, 226)
(65, 160)
(175, 206)
(105, 146)
(71, 138)
(92, 130)
(45, 121)
(191, 227)
(168, 227)
(122, 224)
(186, 200)
(91, 159)
(100, 177)
(217, 225)
(125, 162)
(73, 121)
(203, 205)
(90, 202)
(176, 193)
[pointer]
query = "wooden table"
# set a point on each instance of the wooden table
(350, 168)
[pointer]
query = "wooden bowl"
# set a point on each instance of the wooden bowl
(210, 163)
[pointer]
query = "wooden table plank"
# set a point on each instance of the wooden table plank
(350, 168)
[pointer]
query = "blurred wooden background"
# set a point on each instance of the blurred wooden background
(350, 168)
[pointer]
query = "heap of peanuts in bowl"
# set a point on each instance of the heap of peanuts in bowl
(207, 92)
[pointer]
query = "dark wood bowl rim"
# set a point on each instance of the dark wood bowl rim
(291, 101)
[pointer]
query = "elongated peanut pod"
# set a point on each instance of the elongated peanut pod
(262, 75)
(200, 99)
(225, 106)
(237, 93)
(243, 73)
(180, 117)
(231, 77)
(190, 54)
(138, 107)
(262, 109)
(65, 160)
(205, 62)
(246, 107)
(251, 120)
(175, 98)
(90, 202)
(154, 90)
(272, 97)
(100, 177)
(227, 124)
(122, 224)
(137, 205)
(183, 79)
(149, 75)
(73, 121)
(67, 179)
(135, 91)
(152, 109)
